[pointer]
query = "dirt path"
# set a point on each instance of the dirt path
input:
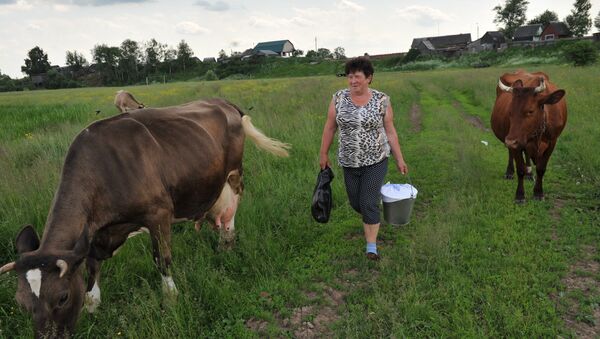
(471, 119)
(415, 118)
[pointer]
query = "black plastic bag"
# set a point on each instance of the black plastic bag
(322, 200)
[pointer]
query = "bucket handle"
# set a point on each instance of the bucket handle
(412, 192)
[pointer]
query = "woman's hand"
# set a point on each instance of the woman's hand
(324, 161)
(401, 165)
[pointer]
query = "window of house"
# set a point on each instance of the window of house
(549, 37)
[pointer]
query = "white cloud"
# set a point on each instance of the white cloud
(188, 27)
(423, 15)
(61, 8)
(347, 4)
(218, 6)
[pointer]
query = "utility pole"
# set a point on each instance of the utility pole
(477, 37)
(315, 44)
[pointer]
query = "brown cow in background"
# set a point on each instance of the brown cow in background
(124, 101)
(528, 117)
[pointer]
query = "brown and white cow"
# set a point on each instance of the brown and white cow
(136, 171)
(124, 101)
(529, 114)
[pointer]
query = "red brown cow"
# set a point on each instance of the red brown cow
(529, 115)
(136, 171)
(124, 101)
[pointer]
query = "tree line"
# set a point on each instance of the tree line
(513, 15)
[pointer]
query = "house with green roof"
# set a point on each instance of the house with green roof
(282, 48)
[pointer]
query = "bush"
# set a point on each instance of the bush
(581, 53)
(210, 75)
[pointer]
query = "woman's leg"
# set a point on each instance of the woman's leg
(370, 196)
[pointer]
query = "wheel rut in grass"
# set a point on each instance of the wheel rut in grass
(474, 121)
(415, 115)
(582, 280)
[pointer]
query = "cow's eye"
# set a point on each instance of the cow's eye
(529, 112)
(63, 299)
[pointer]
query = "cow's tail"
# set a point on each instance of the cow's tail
(262, 141)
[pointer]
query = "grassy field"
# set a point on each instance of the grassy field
(470, 264)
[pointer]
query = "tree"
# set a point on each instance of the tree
(297, 52)
(153, 55)
(76, 61)
(184, 54)
(324, 53)
(169, 58)
(580, 17)
(339, 53)
(36, 63)
(222, 55)
(129, 60)
(512, 15)
(580, 21)
(106, 58)
(311, 54)
(545, 18)
(597, 22)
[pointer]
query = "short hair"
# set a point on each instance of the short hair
(362, 64)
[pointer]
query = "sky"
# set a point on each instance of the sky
(359, 26)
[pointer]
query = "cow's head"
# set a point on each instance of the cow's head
(526, 111)
(50, 285)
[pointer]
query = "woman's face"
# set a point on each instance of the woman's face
(357, 81)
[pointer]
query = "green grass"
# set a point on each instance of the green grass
(470, 264)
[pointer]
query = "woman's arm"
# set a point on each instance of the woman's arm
(392, 136)
(327, 138)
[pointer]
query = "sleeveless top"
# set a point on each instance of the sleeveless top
(362, 138)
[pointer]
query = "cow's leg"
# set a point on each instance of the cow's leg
(510, 169)
(528, 168)
(92, 294)
(520, 164)
(540, 170)
(160, 231)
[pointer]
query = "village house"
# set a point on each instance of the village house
(446, 45)
(490, 41)
(528, 33)
(283, 48)
(555, 30)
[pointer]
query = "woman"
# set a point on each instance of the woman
(367, 134)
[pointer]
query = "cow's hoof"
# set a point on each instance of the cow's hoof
(529, 177)
(92, 300)
(519, 201)
(168, 287)
(538, 197)
(508, 176)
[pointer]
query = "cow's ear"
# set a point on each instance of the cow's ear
(517, 84)
(554, 97)
(27, 240)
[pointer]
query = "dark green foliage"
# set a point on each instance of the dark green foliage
(36, 62)
(544, 18)
(210, 75)
(581, 53)
(411, 56)
(512, 15)
(580, 21)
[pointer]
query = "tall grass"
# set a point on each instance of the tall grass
(470, 263)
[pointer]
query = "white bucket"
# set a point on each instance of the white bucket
(398, 201)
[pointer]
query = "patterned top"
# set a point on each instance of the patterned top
(362, 138)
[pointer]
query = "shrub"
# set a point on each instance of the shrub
(210, 75)
(581, 53)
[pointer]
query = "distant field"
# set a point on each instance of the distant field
(470, 264)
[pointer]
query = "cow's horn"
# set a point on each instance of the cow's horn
(63, 267)
(541, 87)
(504, 87)
(8, 267)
